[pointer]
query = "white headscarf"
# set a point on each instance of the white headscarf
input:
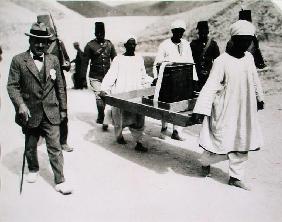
(242, 27)
(178, 24)
(127, 37)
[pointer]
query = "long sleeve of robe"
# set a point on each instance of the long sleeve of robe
(229, 101)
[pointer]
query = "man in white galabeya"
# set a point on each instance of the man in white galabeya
(175, 49)
(230, 101)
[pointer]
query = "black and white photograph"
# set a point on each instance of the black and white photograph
(140, 111)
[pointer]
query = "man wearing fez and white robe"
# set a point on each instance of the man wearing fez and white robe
(230, 101)
(127, 73)
(174, 49)
(36, 89)
(100, 52)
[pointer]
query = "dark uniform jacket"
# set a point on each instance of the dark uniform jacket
(41, 93)
(204, 60)
(100, 55)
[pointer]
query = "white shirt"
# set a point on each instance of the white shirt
(38, 63)
(171, 52)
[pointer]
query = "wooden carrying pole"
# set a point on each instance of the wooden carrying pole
(132, 102)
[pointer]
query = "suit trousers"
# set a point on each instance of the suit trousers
(237, 162)
(51, 133)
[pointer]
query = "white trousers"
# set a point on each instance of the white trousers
(174, 127)
(134, 122)
(237, 162)
(137, 134)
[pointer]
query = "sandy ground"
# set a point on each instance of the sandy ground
(114, 183)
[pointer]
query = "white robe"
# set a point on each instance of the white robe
(126, 73)
(229, 101)
(171, 52)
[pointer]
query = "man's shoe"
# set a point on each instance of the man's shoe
(100, 118)
(164, 129)
(162, 134)
(140, 148)
(121, 140)
(238, 183)
(206, 171)
(105, 127)
(175, 136)
(32, 177)
(67, 148)
(100, 121)
(64, 188)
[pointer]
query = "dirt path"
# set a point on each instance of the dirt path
(114, 183)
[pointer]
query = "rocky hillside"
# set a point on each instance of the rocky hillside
(159, 8)
(160, 30)
(92, 9)
(266, 18)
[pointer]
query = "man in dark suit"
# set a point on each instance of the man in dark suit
(36, 89)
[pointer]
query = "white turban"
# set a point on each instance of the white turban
(178, 24)
(242, 27)
(127, 37)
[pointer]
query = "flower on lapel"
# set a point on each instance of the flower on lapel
(53, 74)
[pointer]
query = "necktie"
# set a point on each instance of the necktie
(38, 58)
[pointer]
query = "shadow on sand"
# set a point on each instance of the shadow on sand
(13, 161)
(161, 157)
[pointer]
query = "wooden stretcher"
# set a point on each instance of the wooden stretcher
(138, 101)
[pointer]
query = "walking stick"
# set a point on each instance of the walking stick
(23, 165)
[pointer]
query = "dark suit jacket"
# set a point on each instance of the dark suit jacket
(25, 86)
